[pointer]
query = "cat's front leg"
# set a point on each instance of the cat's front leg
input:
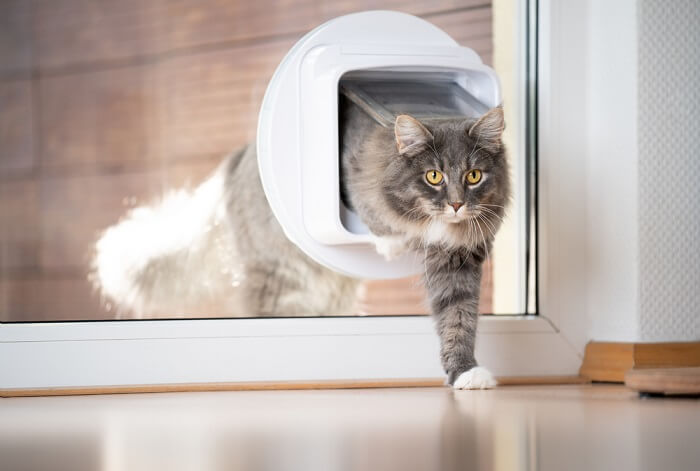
(453, 280)
(457, 329)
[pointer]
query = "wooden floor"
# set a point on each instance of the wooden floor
(587, 427)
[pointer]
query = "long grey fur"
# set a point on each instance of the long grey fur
(238, 259)
(388, 188)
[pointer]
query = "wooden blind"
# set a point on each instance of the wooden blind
(105, 104)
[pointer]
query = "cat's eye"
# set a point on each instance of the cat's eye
(474, 176)
(434, 177)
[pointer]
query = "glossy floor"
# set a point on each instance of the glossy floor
(511, 428)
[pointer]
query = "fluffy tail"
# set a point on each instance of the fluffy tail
(170, 257)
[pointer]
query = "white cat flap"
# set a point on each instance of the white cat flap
(387, 63)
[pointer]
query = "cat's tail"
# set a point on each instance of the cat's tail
(169, 257)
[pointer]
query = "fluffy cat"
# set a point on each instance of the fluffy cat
(439, 187)
(216, 250)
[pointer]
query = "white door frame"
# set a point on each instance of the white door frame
(85, 354)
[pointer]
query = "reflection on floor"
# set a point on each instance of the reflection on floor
(512, 428)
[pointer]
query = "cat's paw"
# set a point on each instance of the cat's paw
(476, 378)
(390, 247)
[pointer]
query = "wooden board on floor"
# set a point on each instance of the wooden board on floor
(609, 361)
(668, 381)
(279, 385)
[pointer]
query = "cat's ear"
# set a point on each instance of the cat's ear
(411, 136)
(489, 129)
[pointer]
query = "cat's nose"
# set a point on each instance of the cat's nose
(456, 205)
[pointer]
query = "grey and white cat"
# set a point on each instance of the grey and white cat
(439, 187)
(217, 250)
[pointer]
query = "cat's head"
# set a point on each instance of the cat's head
(450, 173)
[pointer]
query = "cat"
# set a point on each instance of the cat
(439, 187)
(215, 250)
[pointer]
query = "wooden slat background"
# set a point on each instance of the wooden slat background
(106, 103)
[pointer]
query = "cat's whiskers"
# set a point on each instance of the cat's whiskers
(409, 214)
(486, 247)
(491, 230)
(488, 225)
(489, 211)
(486, 208)
(486, 220)
(472, 232)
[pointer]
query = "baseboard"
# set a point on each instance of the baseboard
(283, 385)
(666, 381)
(609, 361)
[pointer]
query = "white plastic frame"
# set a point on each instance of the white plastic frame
(88, 354)
(321, 72)
(297, 138)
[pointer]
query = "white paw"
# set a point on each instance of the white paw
(476, 378)
(390, 247)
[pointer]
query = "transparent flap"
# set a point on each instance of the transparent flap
(384, 100)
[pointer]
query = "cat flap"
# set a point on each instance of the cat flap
(384, 100)
(388, 63)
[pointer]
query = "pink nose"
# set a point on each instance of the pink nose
(456, 206)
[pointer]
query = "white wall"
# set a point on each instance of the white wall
(611, 172)
(668, 129)
(642, 170)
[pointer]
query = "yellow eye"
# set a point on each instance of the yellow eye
(474, 176)
(434, 177)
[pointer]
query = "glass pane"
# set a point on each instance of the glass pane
(120, 113)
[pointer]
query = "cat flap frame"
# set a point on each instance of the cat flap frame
(298, 126)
